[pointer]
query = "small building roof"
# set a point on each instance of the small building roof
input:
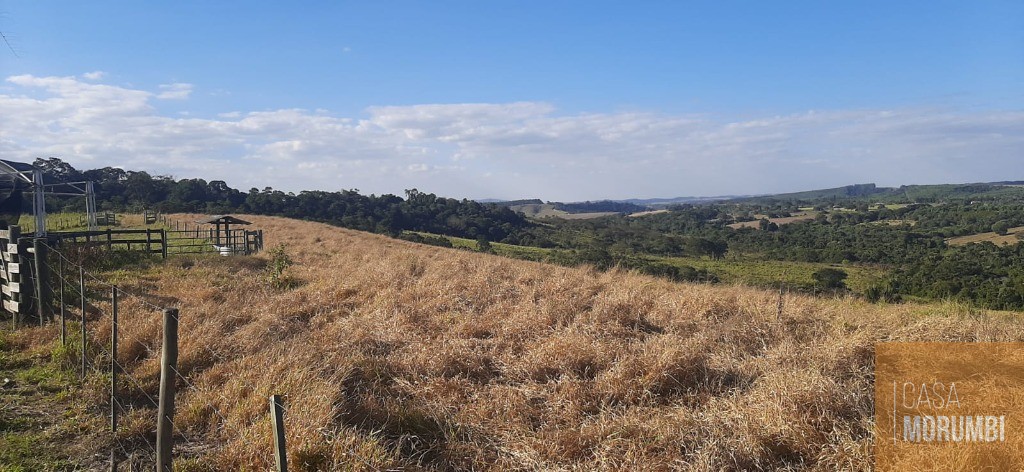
(223, 219)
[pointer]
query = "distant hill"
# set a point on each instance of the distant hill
(977, 191)
(870, 191)
(600, 206)
(663, 202)
(512, 203)
(849, 191)
(903, 194)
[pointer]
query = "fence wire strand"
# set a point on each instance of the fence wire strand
(76, 286)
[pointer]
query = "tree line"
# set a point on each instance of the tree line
(121, 190)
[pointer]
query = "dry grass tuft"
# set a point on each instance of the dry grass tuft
(396, 355)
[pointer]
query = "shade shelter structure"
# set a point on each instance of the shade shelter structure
(225, 222)
(18, 177)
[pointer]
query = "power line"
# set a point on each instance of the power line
(8, 43)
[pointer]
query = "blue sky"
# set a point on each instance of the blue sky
(556, 100)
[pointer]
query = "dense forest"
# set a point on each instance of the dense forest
(903, 231)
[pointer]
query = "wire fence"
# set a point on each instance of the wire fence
(112, 338)
(116, 366)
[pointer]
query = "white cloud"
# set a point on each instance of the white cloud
(176, 91)
(511, 150)
(96, 75)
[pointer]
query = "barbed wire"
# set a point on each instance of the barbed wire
(89, 275)
(224, 421)
(76, 283)
(291, 417)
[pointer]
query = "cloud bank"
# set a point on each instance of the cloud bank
(503, 150)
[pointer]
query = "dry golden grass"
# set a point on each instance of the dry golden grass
(397, 355)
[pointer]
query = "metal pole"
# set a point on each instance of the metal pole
(39, 202)
(90, 206)
(168, 366)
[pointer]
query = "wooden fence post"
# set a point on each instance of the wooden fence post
(149, 242)
(277, 418)
(113, 359)
(14, 276)
(163, 242)
(168, 368)
(63, 309)
(81, 287)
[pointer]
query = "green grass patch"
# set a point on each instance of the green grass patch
(35, 427)
(771, 273)
(746, 270)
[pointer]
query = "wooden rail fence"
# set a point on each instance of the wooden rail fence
(169, 242)
(24, 280)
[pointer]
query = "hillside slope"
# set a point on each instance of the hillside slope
(399, 355)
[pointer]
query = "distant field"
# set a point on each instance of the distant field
(893, 222)
(646, 213)
(747, 271)
(1009, 238)
(548, 210)
(770, 273)
(802, 216)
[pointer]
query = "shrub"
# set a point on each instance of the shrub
(881, 292)
(279, 262)
(830, 278)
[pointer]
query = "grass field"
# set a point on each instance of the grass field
(396, 355)
(447, 359)
(647, 213)
(547, 210)
(772, 273)
(999, 240)
(801, 216)
(730, 270)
